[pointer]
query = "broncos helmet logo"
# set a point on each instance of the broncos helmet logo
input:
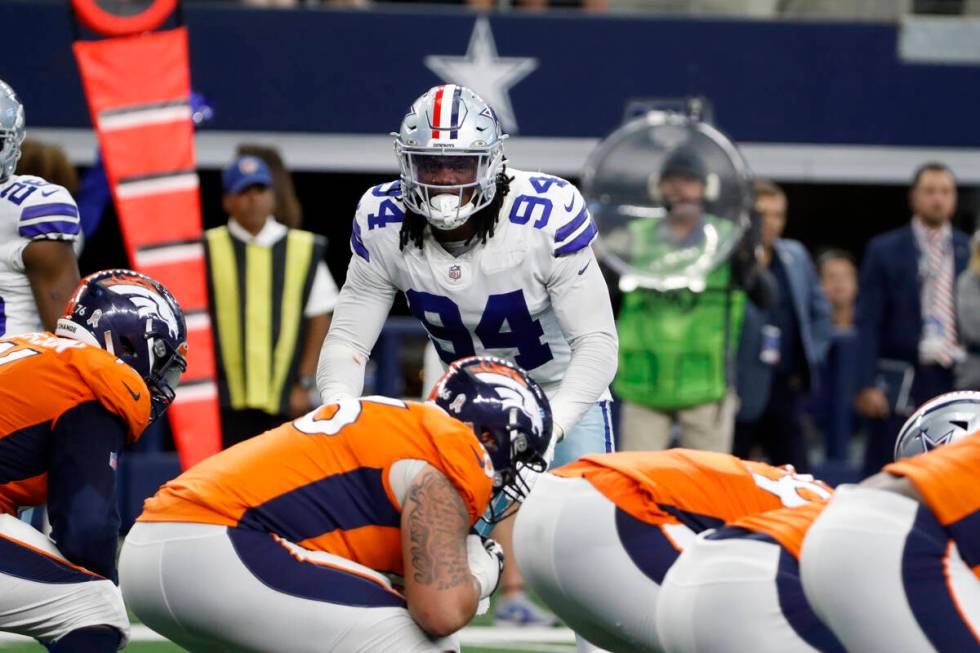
(149, 303)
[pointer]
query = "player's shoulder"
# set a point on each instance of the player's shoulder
(552, 205)
(41, 209)
(378, 218)
(116, 385)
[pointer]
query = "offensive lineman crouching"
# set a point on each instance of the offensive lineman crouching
(71, 400)
(295, 531)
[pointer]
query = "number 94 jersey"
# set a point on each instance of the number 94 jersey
(504, 297)
(30, 209)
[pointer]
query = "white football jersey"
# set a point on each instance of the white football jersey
(497, 298)
(30, 209)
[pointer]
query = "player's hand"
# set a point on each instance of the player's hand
(486, 558)
(299, 401)
(872, 402)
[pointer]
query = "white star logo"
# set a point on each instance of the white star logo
(490, 76)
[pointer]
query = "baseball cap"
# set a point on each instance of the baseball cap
(684, 162)
(243, 172)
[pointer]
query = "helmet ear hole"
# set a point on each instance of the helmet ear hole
(126, 346)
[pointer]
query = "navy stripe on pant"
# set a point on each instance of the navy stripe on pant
(274, 565)
(928, 594)
(27, 563)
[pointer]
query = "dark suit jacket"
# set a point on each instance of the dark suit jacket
(812, 315)
(889, 311)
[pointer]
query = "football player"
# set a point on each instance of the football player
(893, 564)
(596, 537)
(492, 260)
(750, 571)
(38, 225)
(71, 400)
(295, 532)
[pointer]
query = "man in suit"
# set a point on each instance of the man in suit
(782, 347)
(907, 336)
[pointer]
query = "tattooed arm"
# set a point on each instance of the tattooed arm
(442, 593)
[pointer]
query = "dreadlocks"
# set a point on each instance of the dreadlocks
(413, 226)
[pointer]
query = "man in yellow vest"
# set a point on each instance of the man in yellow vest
(271, 302)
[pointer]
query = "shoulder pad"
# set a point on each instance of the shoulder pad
(118, 387)
(555, 206)
(378, 209)
(46, 211)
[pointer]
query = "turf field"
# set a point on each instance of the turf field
(476, 639)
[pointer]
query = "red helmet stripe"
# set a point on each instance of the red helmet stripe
(437, 112)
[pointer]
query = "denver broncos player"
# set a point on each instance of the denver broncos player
(894, 563)
(71, 400)
(492, 260)
(596, 537)
(296, 531)
(750, 571)
(38, 224)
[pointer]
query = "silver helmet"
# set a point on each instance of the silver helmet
(941, 420)
(12, 130)
(450, 151)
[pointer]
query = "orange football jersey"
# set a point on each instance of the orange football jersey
(701, 489)
(43, 376)
(788, 526)
(948, 478)
(322, 481)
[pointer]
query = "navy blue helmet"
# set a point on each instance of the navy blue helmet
(511, 417)
(137, 320)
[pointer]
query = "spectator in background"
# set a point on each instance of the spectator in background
(269, 324)
(783, 347)
(838, 278)
(289, 211)
(968, 320)
(906, 314)
(677, 348)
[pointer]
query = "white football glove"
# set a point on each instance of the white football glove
(486, 558)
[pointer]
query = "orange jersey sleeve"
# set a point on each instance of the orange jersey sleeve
(322, 481)
(788, 526)
(700, 488)
(43, 376)
(948, 478)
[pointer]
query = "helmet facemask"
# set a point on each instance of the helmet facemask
(447, 206)
(12, 130)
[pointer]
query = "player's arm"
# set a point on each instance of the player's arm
(49, 220)
(82, 486)
(53, 274)
(580, 298)
(447, 571)
(890, 483)
(364, 303)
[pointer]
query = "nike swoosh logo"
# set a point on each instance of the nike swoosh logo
(585, 266)
(50, 192)
(570, 204)
(134, 395)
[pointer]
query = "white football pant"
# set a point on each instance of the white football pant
(210, 588)
(593, 564)
(884, 576)
(43, 595)
(737, 594)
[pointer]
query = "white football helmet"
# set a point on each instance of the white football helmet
(450, 151)
(941, 420)
(12, 130)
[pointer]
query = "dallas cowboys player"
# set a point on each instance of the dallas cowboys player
(492, 261)
(38, 224)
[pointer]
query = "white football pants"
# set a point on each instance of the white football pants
(43, 595)
(592, 563)
(884, 576)
(214, 588)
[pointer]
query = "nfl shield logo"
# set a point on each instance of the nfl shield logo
(455, 272)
